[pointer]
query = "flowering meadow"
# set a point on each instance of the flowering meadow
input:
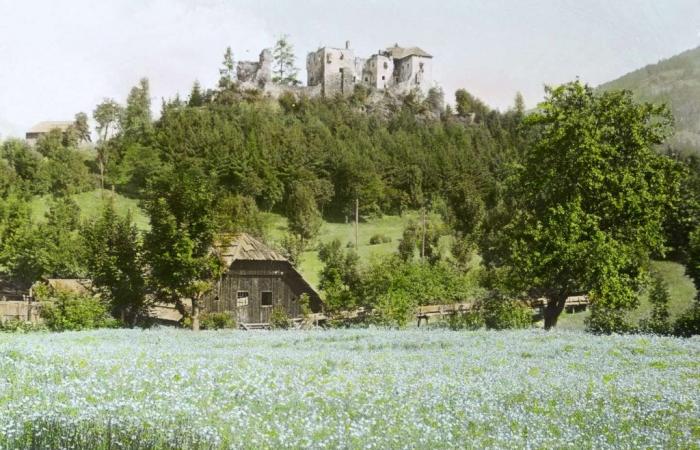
(166, 388)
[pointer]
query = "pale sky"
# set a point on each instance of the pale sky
(61, 57)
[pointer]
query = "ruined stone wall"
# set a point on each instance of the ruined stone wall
(257, 73)
(339, 75)
(378, 72)
(413, 72)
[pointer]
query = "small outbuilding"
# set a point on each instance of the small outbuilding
(257, 280)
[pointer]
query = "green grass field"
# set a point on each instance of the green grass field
(389, 226)
(91, 204)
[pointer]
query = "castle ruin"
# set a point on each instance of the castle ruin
(331, 71)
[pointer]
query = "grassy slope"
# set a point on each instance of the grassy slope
(389, 226)
(91, 205)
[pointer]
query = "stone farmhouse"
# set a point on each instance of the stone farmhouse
(332, 71)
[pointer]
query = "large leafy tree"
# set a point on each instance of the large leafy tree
(114, 259)
(107, 115)
(588, 200)
(52, 248)
(181, 204)
(136, 122)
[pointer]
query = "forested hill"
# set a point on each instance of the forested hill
(676, 82)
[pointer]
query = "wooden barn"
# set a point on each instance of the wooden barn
(257, 280)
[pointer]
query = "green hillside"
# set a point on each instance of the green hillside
(91, 203)
(676, 82)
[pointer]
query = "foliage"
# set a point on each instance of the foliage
(469, 320)
(29, 251)
(114, 257)
(227, 72)
(502, 313)
(284, 71)
(303, 214)
(588, 200)
(65, 311)
(279, 320)
(658, 322)
(181, 205)
(305, 305)
(377, 239)
(20, 326)
(425, 237)
(394, 288)
(136, 122)
(217, 321)
(292, 248)
(607, 320)
(340, 277)
(688, 324)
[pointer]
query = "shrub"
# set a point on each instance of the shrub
(470, 320)
(658, 322)
(605, 320)
(279, 320)
(68, 311)
(217, 321)
(501, 313)
(305, 305)
(379, 239)
(395, 307)
(688, 324)
(20, 326)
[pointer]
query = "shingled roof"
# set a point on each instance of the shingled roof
(45, 127)
(397, 52)
(244, 247)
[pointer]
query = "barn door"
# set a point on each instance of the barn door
(266, 305)
(242, 308)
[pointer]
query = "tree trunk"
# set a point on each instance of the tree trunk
(102, 175)
(555, 305)
(195, 314)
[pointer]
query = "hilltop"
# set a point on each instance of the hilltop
(676, 82)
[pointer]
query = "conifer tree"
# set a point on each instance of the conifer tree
(284, 70)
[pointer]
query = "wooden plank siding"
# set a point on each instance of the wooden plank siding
(257, 277)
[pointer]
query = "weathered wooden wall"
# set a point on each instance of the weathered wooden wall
(256, 277)
(19, 310)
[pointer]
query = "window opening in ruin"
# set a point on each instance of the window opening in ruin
(386, 65)
(342, 56)
(266, 298)
(383, 77)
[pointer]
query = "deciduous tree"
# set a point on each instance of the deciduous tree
(587, 202)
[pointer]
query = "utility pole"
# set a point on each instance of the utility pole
(357, 225)
(422, 247)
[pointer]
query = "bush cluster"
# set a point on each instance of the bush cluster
(377, 239)
(217, 321)
(65, 311)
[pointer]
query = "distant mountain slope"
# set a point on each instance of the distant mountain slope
(675, 81)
